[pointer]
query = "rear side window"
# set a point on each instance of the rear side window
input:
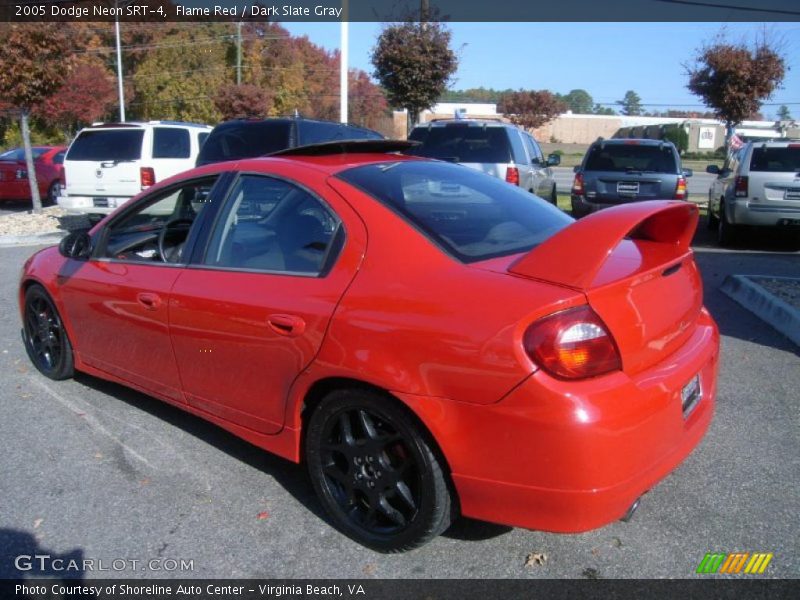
(517, 147)
(776, 160)
(631, 157)
(171, 142)
(107, 144)
(232, 141)
(462, 143)
(59, 157)
(468, 214)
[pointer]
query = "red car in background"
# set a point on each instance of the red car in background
(428, 339)
(48, 161)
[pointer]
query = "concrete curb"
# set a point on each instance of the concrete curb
(37, 239)
(767, 307)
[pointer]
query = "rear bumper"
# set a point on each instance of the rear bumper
(745, 212)
(581, 206)
(91, 204)
(573, 456)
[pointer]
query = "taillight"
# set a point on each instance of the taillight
(577, 184)
(680, 189)
(512, 175)
(740, 186)
(147, 176)
(572, 344)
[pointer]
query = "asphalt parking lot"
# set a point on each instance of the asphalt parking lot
(91, 470)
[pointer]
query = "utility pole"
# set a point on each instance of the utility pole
(239, 53)
(119, 71)
(343, 88)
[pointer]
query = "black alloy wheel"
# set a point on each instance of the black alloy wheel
(45, 338)
(375, 473)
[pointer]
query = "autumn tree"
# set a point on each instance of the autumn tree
(31, 70)
(531, 108)
(631, 104)
(579, 102)
(87, 94)
(367, 103)
(414, 63)
(735, 78)
(242, 101)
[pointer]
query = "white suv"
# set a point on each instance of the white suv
(758, 185)
(109, 163)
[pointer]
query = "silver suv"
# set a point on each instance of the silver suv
(493, 147)
(758, 185)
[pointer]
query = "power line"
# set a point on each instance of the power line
(777, 11)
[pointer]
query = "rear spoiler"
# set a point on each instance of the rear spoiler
(574, 256)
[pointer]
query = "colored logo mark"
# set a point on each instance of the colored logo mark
(748, 563)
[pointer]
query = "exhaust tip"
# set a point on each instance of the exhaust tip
(629, 513)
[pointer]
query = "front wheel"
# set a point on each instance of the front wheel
(375, 472)
(53, 193)
(45, 338)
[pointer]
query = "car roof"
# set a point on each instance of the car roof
(462, 122)
(780, 143)
(143, 124)
(632, 142)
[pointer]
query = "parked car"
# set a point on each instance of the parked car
(620, 171)
(109, 163)
(14, 183)
(509, 364)
(493, 147)
(759, 185)
(248, 138)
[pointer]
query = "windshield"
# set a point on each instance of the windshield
(462, 143)
(470, 215)
(776, 160)
(107, 145)
(631, 157)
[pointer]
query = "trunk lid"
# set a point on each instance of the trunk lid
(637, 271)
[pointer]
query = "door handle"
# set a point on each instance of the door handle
(288, 325)
(148, 300)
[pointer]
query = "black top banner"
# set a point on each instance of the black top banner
(399, 10)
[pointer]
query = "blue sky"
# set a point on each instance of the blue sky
(605, 59)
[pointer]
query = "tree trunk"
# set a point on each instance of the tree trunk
(26, 142)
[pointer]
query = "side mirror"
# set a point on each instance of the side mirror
(688, 172)
(713, 169)
(576, 168)
(77, 245)
(553, 160)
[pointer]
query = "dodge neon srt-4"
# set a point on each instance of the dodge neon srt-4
(429, 340)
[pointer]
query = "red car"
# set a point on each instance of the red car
(48, 161)
(430, 340)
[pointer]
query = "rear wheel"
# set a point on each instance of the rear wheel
(375, 472)
(727, 232)
(53, 193)
(711, 221)
(45, 338)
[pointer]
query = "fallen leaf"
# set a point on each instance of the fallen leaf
(262, 515)
(595, 551)
(591, 573)
(22, 369)
(369, 569)
(617, 542)
(37, 522)
(535, 558)
(145, 481)
(98, 455)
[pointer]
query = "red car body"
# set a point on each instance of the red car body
(523, 446)
(48, 161)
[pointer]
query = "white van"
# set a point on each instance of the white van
(109, 163)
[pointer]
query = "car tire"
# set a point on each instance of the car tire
(376, 472)
(53, 193)
(711, 221)
(727, 232)
(46, 340)
(554, 197)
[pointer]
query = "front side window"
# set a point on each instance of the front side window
(158, 229)
(273, 225)
(470, 215)
(171, 142)
(107, 145)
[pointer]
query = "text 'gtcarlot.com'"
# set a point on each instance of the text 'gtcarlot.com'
(45, 563)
